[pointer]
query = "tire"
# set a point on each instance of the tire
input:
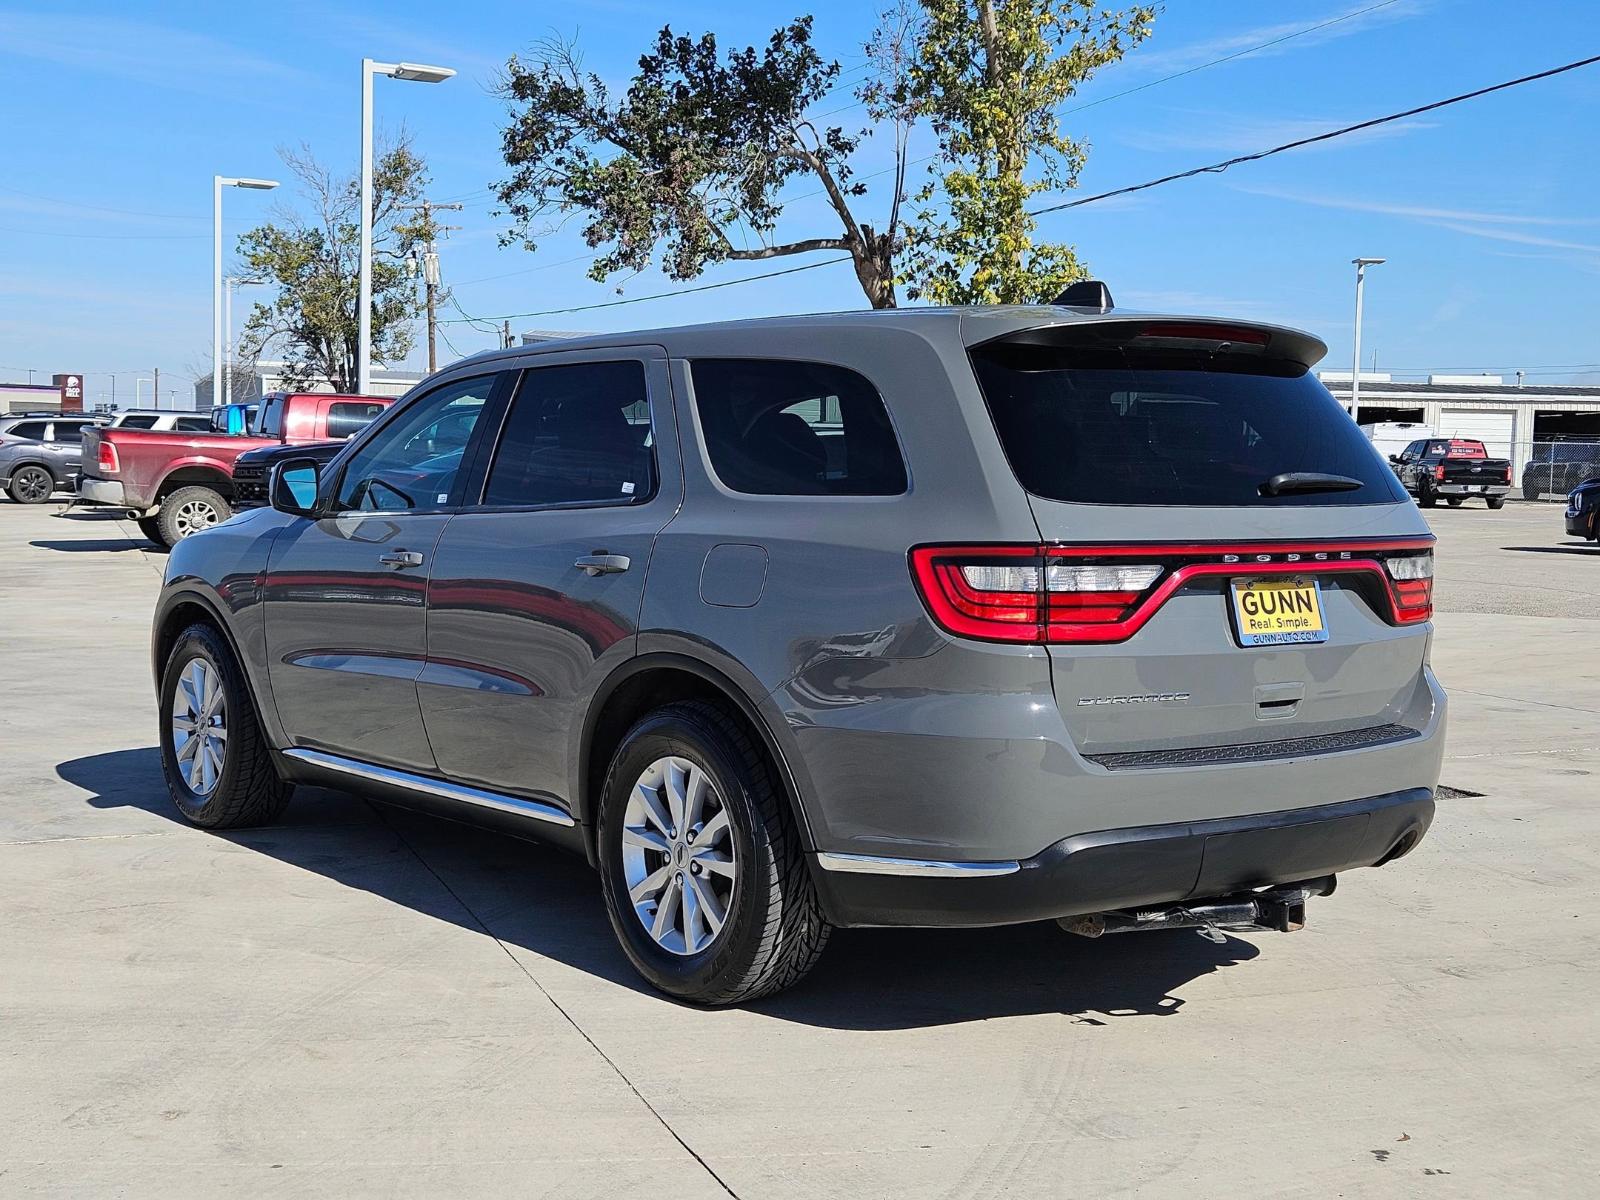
(151, 528)
(185, 511)
(31, 485)
(1531, 490)
(1425, 496)
(245, 790)
(1453, 501)
(773, 929)
(1495, 501)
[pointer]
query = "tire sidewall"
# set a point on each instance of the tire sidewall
(201, 642)
(168, 517)
(678, 732)
(24, 472)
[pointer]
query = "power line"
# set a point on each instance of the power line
(1217, 168)
(704, 287)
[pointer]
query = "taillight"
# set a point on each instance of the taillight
(1412, 576)
(107, 461)
(1438, 472)
(1508, 472)
(1025, 593)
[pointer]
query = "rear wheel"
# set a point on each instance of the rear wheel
(1531, 490)
(31, 485)
(213, 753)
(700, 861)
(151, 528)
(1495, 501)
(1425, 496)
(188, 511)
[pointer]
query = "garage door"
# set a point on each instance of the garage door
(1492, 428)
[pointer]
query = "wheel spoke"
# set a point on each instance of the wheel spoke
(196, 767)
(691, 917)
(219, 733)
(652, 806)
(710, 908)
(715, 828)
(651, 884)
(666, 909)
(648, 839)
(213, 763)
(186, 748)
(676, 798)
(710, 860)
(695, 797)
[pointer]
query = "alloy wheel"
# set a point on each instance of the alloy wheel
(200, 726)
(679, 860)
(33, 486)
(193, 516)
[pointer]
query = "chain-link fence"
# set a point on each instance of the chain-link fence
(1549, 470)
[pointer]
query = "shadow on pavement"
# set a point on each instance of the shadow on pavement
(94, 545)
(1569, 548)
(549, 902)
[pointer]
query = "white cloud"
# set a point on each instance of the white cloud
(1418, 211)
(1181, 58)
(1230, 133)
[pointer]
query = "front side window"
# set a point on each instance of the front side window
(576, 434)
(345, 419)
(270, 418)
(412, 463)
(780, 428)
(69, 433)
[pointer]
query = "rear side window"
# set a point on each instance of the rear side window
(32, 430)
(779, 428)
(576, 434)
(140, 421)
(1105, 423)
(68, 433)
(193, 425)
(346, 419)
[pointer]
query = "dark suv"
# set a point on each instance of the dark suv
(40, 453)
(927, 617)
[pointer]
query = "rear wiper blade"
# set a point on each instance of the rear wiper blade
(1308, 481)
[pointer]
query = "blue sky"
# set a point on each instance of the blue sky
(116, 117)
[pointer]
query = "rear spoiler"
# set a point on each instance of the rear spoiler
(1201, 334)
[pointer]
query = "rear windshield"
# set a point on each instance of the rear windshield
(1108, 424)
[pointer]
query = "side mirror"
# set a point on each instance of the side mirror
(1394, 458)
(293, 488)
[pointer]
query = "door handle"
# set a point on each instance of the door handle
(400, 559)
(600, 563)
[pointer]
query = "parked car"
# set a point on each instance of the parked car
(39, 454)
(938, 617)
(1583, 510)
(160, 418)
(175, 483)
(1559, 467)
(250, 469)
(1453, 470)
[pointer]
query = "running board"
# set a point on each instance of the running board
(460, 793)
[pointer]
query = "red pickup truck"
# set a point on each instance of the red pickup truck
(174, 483)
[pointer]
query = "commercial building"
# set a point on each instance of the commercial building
(267, 375)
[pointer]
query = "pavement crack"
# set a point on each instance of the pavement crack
(1522, 700)
(554, 1003)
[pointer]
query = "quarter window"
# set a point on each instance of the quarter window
(412, 463)
(32, 430)
(193, 425)
(69, 433)
(779, 428)
(576, 434)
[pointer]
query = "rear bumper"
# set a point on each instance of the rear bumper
(1472, 489)
(101, 491)
(1126, 868)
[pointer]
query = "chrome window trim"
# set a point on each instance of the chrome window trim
(869, 864)
(476, 797)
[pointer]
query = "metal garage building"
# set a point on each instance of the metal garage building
(1524, 424)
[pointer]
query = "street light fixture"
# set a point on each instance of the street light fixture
(218, 182)
(232, 284)
(1361, 265)
(415, 73)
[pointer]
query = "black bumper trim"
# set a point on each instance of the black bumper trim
(1199, 756)
(1142, 865)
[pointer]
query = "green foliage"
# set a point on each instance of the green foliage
(687, 163)
(991, 76)
(313, 261)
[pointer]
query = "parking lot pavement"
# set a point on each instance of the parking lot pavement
(360, 1001)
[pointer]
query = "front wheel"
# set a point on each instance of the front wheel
(1495, 501)
(1531, 490)
(31, 485)
(700, 861)
(213, 753)
(188, 511)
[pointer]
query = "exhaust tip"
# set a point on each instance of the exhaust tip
(1401, 848)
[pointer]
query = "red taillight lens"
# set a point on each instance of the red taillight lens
(1025, 593)
(107, 460)
(1438, 472)
(1508, 472)
(1412, 584)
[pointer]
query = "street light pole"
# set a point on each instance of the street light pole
(1361, 265)
(218, 182)
(231, 284)
(418, 73)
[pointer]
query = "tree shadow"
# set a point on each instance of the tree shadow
(548, 902)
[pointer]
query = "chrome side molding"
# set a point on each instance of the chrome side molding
(476, 797)
(868, 864)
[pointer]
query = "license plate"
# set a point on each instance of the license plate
(1278, 612)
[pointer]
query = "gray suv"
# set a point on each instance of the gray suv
(924, 617)
(39, 454)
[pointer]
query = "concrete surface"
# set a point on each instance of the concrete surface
(363, 1002)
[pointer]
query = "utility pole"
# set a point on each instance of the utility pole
(430, 269)
(505, 335)
(155, 392)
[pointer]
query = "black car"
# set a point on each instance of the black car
(250, 469)
(1583, 510)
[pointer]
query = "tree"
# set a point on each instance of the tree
(314, 262)
(690, 160)
(990, 76)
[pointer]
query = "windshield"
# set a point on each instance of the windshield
(1110, 424)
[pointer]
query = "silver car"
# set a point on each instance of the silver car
(39, 454)
(923, 617)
